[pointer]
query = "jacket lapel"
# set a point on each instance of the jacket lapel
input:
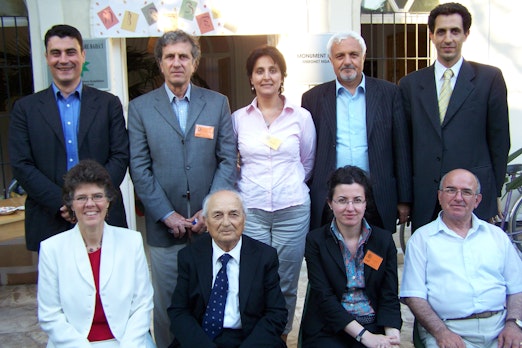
(88, 111)
(332, 245)
(463, 89)
(164, 108)
(204, 267)
(83, 264)
(247, 267)
(373, 101)
(428, 96)
(196, 105)
(329, 106)
(108, 255)
(50, 113)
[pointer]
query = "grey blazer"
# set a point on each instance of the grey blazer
(166, 164)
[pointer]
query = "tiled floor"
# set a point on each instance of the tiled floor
(19, 327)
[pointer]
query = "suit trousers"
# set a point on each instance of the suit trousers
(476, 333)
(164, 273)
(286, 231)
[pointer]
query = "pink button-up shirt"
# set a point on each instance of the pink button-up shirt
(276, 161)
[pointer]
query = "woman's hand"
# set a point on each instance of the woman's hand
(371, 340)
(393, 332)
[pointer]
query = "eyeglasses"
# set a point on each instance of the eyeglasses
(356, 202)
(451, 191)
(97, 197)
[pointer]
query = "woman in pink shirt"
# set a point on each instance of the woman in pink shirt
(276, 143)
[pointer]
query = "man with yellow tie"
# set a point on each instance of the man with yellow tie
(458, 116)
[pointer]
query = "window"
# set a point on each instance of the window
(16, 81)
(396, 36)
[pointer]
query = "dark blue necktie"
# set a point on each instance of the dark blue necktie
(215, 313)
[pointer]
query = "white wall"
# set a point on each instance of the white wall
(493, 41)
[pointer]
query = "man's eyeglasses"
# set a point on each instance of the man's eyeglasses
(97, 197)
(356, 202)
(451, 191)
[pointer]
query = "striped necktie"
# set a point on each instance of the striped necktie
(445, 94)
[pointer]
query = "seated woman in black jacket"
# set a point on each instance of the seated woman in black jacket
(352, 271)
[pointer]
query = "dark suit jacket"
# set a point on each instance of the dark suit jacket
(165, 163)
(474, 134)
(388, 147)
(324, 313)
(261, 303)
(38, 155)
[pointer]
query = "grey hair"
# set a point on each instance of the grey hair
(338, 37)
(476, 179)
(172, 37)
(204, 211)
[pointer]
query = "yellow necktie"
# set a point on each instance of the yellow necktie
(445, 94)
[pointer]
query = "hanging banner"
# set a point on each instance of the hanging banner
(138, 18)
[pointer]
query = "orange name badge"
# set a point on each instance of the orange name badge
(202, 131)
(373, 260)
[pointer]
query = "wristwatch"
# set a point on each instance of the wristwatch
(518, 322)
(358, 338)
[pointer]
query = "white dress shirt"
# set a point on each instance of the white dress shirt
(461, 276)
(232, 319)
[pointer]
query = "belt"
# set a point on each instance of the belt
(365, 319)
(483, 315)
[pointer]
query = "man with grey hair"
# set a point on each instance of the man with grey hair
(182, 147)
(244, 271)
(360, 121)
(461, 274)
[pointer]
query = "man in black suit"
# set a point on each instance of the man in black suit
(255, 314)
(472, 132)
(52, 130)
(360, 121)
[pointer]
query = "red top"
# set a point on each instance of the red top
(100, 330)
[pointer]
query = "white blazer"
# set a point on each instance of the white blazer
(67, 294)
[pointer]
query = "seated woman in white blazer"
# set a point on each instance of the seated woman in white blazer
(93, 280)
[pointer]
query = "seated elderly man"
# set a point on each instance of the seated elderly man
(462, 276)
(228, 292)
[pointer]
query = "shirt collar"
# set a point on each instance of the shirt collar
(253, 105)
(172, 96)
(440, 69)
(217, 251)
(361, 87)
(476, 225)
(77, 90)
(366, 231)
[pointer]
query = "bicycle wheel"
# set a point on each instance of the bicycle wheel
(514, 230)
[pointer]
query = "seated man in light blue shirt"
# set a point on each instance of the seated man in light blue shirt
(462, 275)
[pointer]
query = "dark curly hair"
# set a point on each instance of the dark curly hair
(353, 175)
(271, 52)
(62, 31)
(86, 172)
(449, 9)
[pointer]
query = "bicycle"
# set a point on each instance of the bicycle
(511, 220)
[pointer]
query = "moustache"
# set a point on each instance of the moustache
(346, 67)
